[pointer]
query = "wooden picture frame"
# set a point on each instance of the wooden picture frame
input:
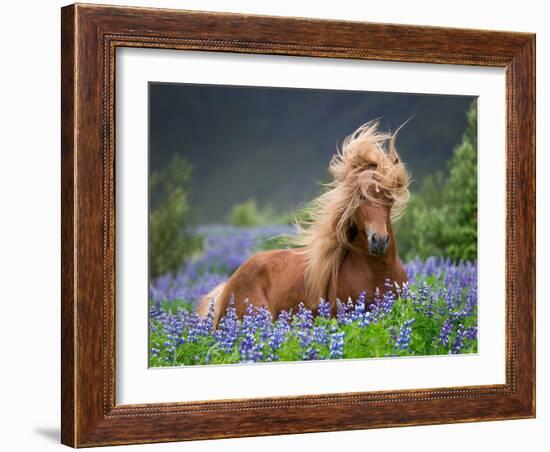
(90, 36)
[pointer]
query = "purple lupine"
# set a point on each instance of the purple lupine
(173, 326)
(323, 309)
(405, 292)
(336, 350)
(277, 337)
(357, 312)
(228, 329)
(471, 333)
(310, 354)
(342, 313)
(304, 337)
(256, 319)
(446, 329)
(458, 342)
(279, 332)
(404, 337)
(250, 350)
(423, 302)
(303, 319)
(320, 335)
(387, 303)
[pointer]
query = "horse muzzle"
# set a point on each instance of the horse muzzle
(378, 244)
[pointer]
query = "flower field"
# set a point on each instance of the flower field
(436, 313)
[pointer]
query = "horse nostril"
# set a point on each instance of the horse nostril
(387, 240)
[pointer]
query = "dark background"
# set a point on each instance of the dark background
(274, 144)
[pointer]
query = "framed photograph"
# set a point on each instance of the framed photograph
(281, 225)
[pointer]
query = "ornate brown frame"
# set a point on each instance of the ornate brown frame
(90, 35)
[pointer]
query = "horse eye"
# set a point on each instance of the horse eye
(372, 166)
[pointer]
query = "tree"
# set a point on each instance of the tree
(442, 216)
(169, 241)
(461, 193)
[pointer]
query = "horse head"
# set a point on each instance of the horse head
(373, 223)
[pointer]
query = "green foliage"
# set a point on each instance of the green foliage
(248, 214)
(169, 243)
(441, 219)
(462, 195)
(244, 214)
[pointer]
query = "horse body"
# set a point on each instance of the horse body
(270, 279)
(347, 247)
(275, 280)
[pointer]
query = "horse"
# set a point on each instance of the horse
(346, 246)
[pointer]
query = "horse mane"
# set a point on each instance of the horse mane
(366, 166)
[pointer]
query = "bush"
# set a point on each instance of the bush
(244, 214)
(247, 214)
(169, 242)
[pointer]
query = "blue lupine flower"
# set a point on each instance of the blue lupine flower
(310, 354)
(342, 313)
(446, 329)
(337, 345)
(404, 337)
(228, 329)
(324, 309)
(250, 350)
(303, 319)
(471, 333)
(320, 336)
(458, 343)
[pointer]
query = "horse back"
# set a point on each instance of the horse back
(270, 279)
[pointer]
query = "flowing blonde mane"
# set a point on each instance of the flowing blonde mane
(367, 164)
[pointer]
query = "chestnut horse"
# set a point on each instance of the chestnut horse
(348, 245)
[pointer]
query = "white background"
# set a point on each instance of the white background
(30, 224)
(137, 384)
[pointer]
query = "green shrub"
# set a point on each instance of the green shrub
(248, 214)
(441, 219)
(244, 214)
(170, 243)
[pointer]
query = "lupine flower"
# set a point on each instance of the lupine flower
(471, 333)
(303, 319)
(282, 327)
(304, 337)
(458, 343)
(324, 309)
(228, 330)
(337, 345)
(320, 336)
(277, 338)
(342, 313)
(310, 354)
(446, 329)
(357, 311)
(404, 336)
(250, 350)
